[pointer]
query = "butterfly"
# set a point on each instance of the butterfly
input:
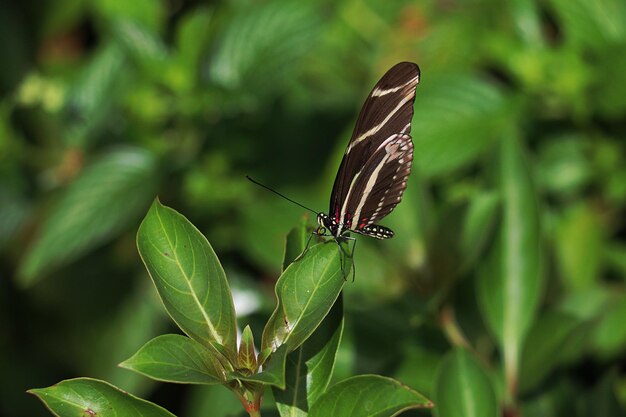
(377, 162)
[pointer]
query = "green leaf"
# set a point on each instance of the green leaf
(463, 388)
(147, 12)
(546, 340)
(563, 167)
(480, 220)
(310, 367)
(246, 358)
(262, 43)
(458, 117)
(296, 242)
(192, 37)
(273, 372)
(189, 278)
(176, 358)
(509, 283)
(579, 245)
(143, 45)
(305, 292)
(368, 395)
(107, 196)
(91, 95)
(90, 397)
(525, 15)
(594, 24)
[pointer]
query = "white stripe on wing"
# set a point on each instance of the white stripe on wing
(378, 92)
(379, 126)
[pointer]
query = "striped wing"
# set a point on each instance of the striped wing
(384, 121)
(378, 187)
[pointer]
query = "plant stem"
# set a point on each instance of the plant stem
(251, 402)
(254, 413)
(451, 329)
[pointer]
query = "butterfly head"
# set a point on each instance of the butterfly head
(328, 224)
(325, 224)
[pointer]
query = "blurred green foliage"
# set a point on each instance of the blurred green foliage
(106, 103)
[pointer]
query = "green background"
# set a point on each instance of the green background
(510, 238)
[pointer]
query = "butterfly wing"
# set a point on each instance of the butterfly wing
(378, 187)
(385, 118)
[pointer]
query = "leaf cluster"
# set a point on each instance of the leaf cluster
(503, 291)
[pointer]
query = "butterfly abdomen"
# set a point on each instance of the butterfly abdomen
(377, 231)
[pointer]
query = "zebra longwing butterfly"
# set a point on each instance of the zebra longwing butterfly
(377, 162)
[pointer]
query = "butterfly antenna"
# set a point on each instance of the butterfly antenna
(283, 196)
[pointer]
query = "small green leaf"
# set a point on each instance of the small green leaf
(189, 278)
(246, 358)
(463, 389)
(192, 37)
(509, 283)
(562, 167)
(98, 205)
(176, 358)
(310, 367)
(273, 372)
(90, 397)
(263, 356)
(579, 245)
(305, 291)
(525, 15)
(368, 396)
(296, 242)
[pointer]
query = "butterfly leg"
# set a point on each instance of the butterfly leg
(308, 242)
(352, 257)
(343, 255)
(306, 247)
(341, 258)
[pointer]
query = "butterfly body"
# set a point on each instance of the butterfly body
(339, 230)
(377, 162)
